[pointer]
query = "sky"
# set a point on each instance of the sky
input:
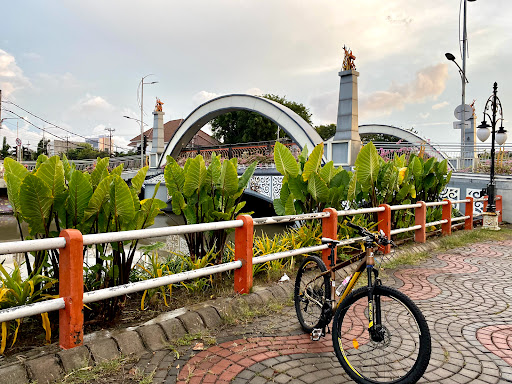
(78, 65)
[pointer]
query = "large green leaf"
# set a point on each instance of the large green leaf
(367, 165)
(284, 161)
(79, 194)
(117, 170)
(328, 171)
(13, 175)
(289, 207)
(35, 201)
(68, 169)
(98, 199)
(178, 203)
(314, 162)
(416, 167)
(352, 187)
(228, 179)
(279, 207)
(317, 188)
(52, 173)
(100, 171)
(298, 187)
(138, 179)
(244, 179)
(174, 176)
(121, 203)
(149, 209)
(195, 176)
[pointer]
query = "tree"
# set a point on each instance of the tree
(5, 149)
(42, 149)
(326, 131)
(85, 151)
(244, 126)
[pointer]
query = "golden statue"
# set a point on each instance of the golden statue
(158, 106)
(348, 60)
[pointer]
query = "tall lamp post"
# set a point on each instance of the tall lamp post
(493, 105)
(142, 83)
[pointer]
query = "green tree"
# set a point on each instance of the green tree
(244, 126)
(326, 131)
(85, 151)
(5, 149)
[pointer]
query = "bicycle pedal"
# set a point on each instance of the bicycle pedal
(316, 334)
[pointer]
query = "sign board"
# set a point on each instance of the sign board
(458, 124)
(18, 141)
(468, 112)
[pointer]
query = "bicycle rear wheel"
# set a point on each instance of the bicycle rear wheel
(311, 294)
(399, 352)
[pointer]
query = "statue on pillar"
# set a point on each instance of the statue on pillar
(158, 106)
(348, 60)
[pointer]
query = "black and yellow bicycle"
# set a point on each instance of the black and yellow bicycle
(379, 335)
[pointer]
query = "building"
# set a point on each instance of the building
(57, 147)
(102, 143)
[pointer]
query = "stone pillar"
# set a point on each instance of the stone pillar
(346, 142)
(157, 145)
(469, 143)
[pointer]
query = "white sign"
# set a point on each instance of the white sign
(468, 112)
(18, 141)
(458, 124)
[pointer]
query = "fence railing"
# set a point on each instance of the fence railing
(71, 242)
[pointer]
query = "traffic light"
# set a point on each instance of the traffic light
(25, 153)
(144, 142)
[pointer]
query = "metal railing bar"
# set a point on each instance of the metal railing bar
(120, 290)
(27, 310)
(289, 218)
(137, 234)
(480, 199)
(401, 230)
(32, 245)
(360, 211)
(460, 218)
(436, 223)
(460, 201)
(436, 203)
(282, 255)
(405, 206)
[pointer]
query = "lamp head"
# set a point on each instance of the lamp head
(449, 56)
(483, 132)
(501, 135)
(484, 124)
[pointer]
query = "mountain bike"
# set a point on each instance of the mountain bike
(379, 335)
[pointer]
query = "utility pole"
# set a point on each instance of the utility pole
(110, 130)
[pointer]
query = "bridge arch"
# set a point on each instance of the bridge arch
(295, 126)
(402, 134)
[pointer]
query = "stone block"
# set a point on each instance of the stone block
(44, 369)
(192, 322)
(173, 329)
(153, 336)
(279, 292)
(210, 316)
(15, 373)
(75, 358)
(265, 295)
(103, 349)
(129, 343)
(222, 306)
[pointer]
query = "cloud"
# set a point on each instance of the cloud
(32, 56)
(204, 96)
(92, 104)
(324, 107)
(429, 83)
(63, 80)
(254, 91)
(424, 115)
(11, 76)
(437, 106)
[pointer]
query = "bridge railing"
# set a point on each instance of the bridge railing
(71, 242)
(130, 162)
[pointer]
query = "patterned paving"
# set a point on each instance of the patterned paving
(464, 293)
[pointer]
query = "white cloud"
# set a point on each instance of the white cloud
(92, 104)
(424, 115)
(255, 92)
(11, 76)
(204, 96)
(32, 56)
(440, 105)
(324, 108)
(429, 83)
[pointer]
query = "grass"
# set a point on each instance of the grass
(245, 313)
(104, 372)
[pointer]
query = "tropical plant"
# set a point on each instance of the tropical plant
(16, 291)
(307, 185)
(203, 194)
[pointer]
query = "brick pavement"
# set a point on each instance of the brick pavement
(464, 294)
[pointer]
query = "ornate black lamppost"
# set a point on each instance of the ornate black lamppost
(493, 105)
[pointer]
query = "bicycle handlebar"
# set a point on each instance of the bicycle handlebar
(381, 238)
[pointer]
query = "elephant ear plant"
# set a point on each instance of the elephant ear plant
(56, 195)
(204, 194)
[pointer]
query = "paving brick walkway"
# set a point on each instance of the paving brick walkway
(464, 293)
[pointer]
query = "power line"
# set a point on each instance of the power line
(54, 125)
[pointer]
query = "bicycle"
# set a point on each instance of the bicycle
(379, 335)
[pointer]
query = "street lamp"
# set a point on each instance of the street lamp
(493, 104)
(462, 72)
(142, 117)
(140, 122)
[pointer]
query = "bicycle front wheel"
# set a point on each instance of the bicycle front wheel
(397, 352)
(311, 293)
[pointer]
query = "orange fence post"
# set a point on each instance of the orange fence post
(446, 228)
(420, 218)
(485, 203)
(468, 211)
(243, 251)
(330, 230)
(71, 288)
(384, 219)
(499, 207)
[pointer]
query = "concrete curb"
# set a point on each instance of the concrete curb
(155, 334)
